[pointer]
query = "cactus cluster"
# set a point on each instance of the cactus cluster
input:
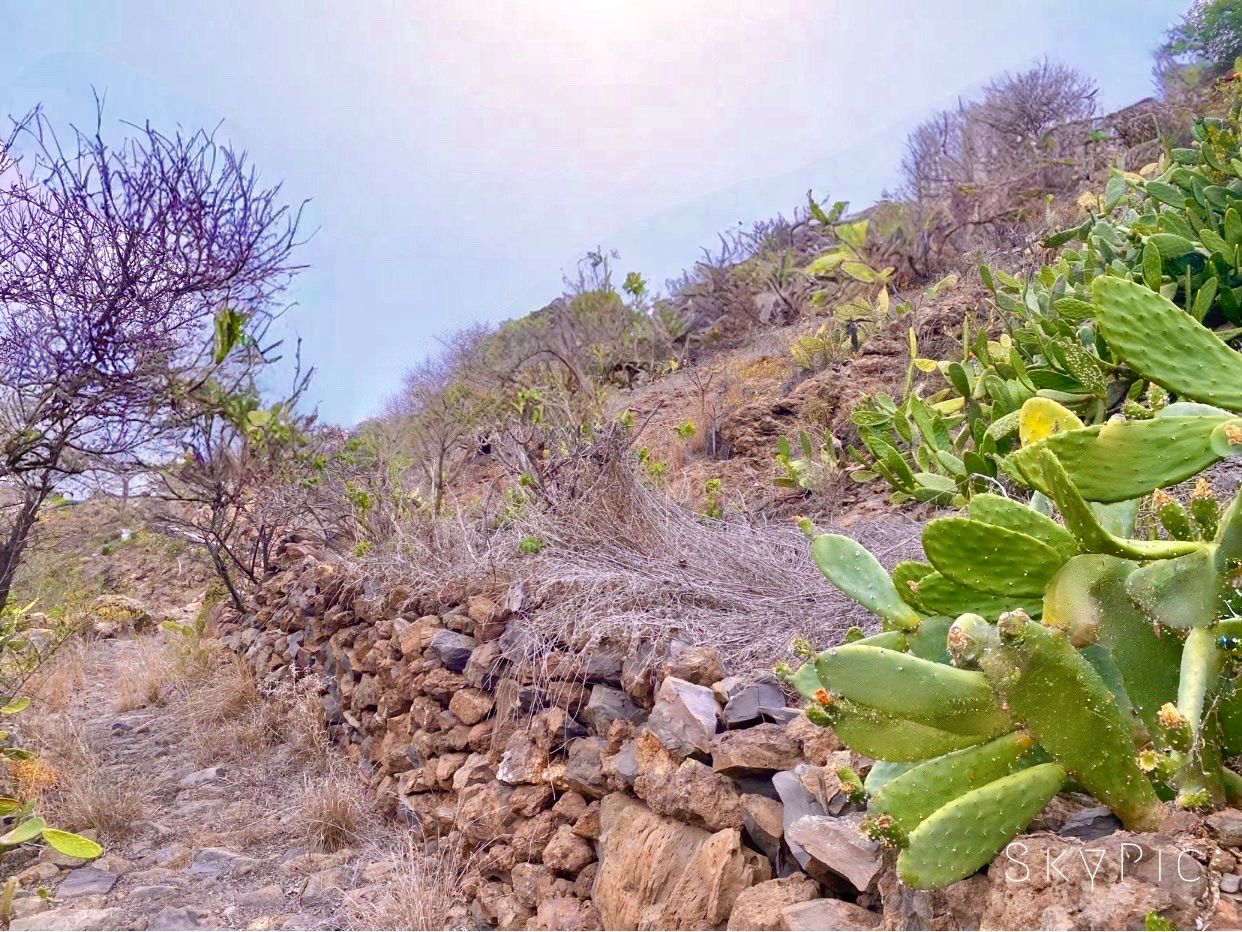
(1175, 226)
(1030, 653)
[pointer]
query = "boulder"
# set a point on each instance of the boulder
(699, 665)
(684, 716)
(114, 615)
(763, 749)
(522, 761)
(831, 850)
(692, 793)
(759, 907)
(763, 820)
(471, 706)
(658, 873)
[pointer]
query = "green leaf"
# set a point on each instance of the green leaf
(1153, 266)
(1166, 194)
(24, 832)
(853, 234)
(76, 846)
(17, 705)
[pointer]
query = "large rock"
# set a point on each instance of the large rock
(693, 793)
(684, 716)
(522, 761)
(1048, 881)
(657, 873)
(762, 701)
(831, 849)
(759, 750)
(760, 906)
(114, 615)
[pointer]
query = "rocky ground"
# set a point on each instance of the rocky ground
(220, 835)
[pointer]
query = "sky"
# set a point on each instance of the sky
(459, 157)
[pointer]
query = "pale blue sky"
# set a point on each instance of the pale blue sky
(460, 156)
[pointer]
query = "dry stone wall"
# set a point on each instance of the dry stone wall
(639, 789)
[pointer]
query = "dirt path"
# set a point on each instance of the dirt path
(203, 802)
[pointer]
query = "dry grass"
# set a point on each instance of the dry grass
(84, 795)
(234, 719)
(334, 808)
(148, 673)
(419, 890)
(57, 681)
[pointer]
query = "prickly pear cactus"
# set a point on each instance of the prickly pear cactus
(1028, 652)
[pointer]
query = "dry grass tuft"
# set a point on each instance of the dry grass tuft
(419, 890)
(234, 718)
(149, 674)
(84, 794)
(57, 681)
(334, 808)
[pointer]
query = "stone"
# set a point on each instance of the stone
(658, 873)
(564, 914)
(607, 705)
(553, 728)
(115, 615)
(529, 799)
(219, 862)
(86, 881)
(148, 892)
(831, 849)
(471, 705)
(763, 820)
(821, 914)
(566, 853)
(818, 743)
(684, 716)
(759, 907)
(1090, 823)
(758, 702)
(482, 610)
(699, 665)
(796, 802)
(1229, 883)
(484, 666)
(621, 769)
(71, 920)
(763, 749)
(202, 777)
(534, 882)
(452, 648)
(693, 793)
(522, 761)
(584, 767)
(1226, 825)
(178, 917)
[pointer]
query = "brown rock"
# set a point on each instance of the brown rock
(656, 873)
(483, 811)
(482, 610)
(757, 750)
(832, 848)
(1226, 825)
(522, 761)
(684, 716)
(699, 665)
(529, 799)
(535, 882)
(817, 742)
(564, 914)
(693, 793)
(759, 907)
(763, 820)
(587, 825)
(828, 914)
(571, 806)
(566, 853)
(532, 835)
(471, 706)
(584, 767)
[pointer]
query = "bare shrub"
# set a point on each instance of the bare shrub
(419, 890)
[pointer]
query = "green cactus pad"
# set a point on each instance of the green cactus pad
(906, 577)
(914, 795)
(942, 596)
(852, 569)
(888, 737)
(882, 771)
(958, 701)
(1006, 513)
(989, 558)
(1179, 593)
(928, 641)
(1127, 459)
(1089, 594)
(1082, 520)
(965, 834)
(1158, 340)
(1052, 690)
